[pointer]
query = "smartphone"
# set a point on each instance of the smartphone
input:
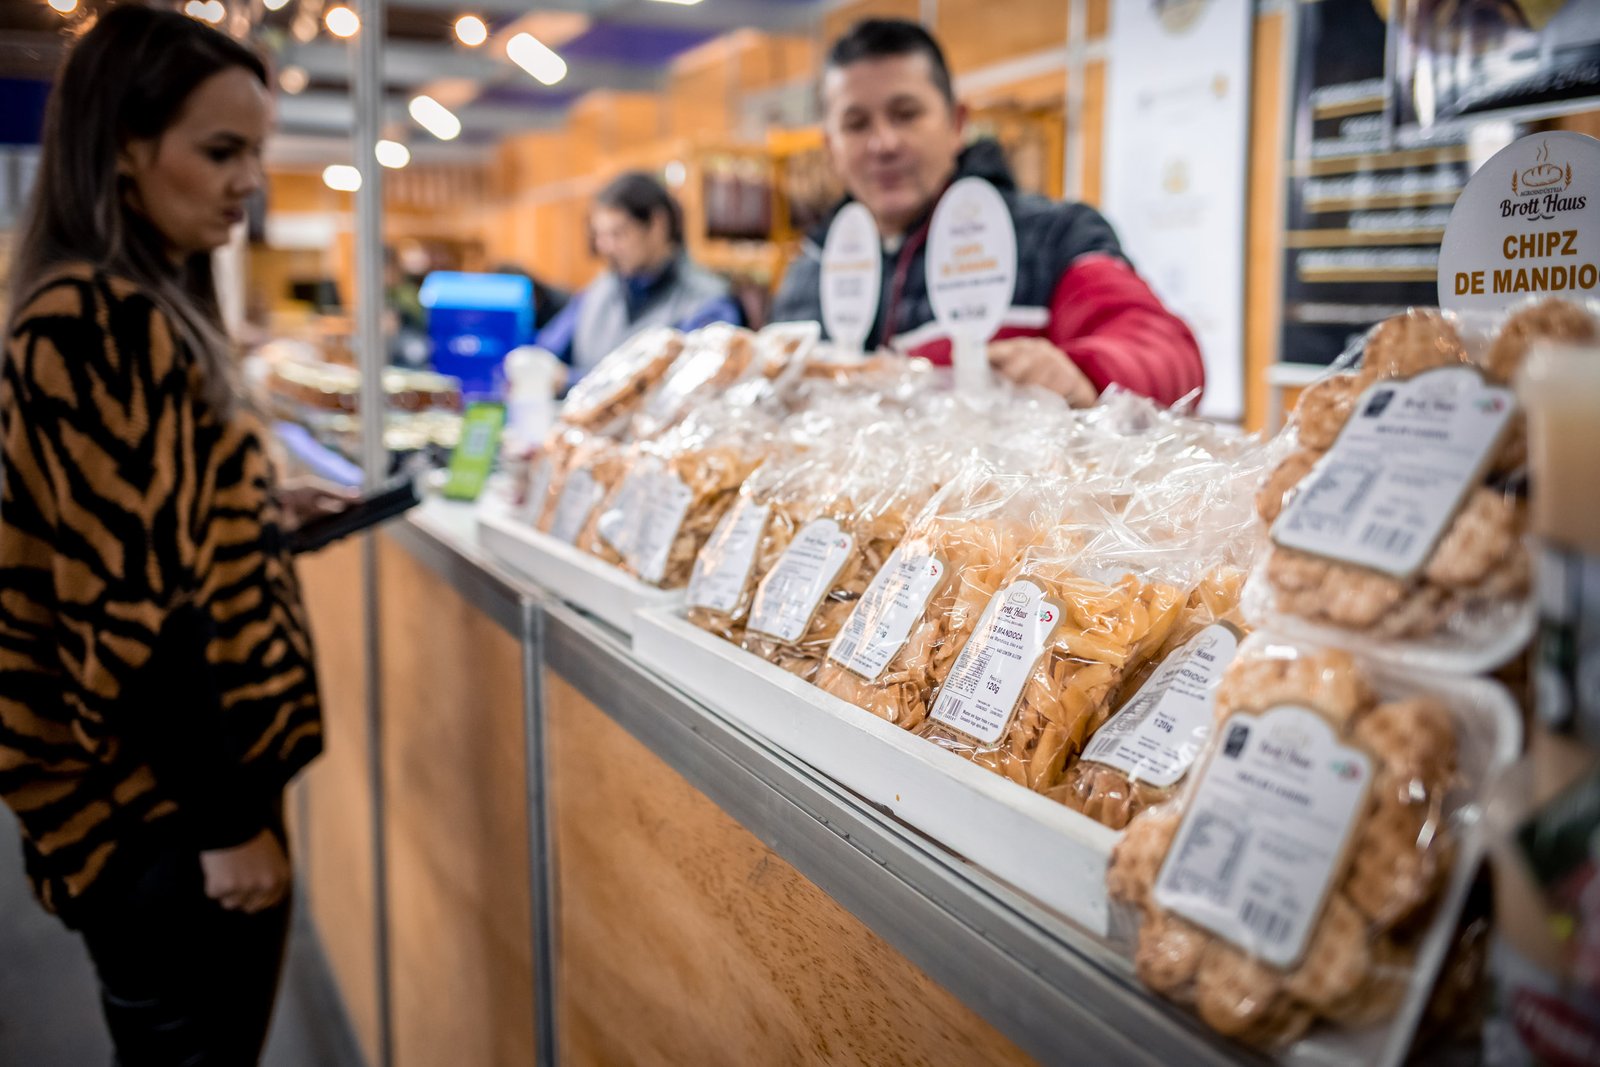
(366, 512)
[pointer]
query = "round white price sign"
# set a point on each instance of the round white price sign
(972, 270)
(1527, 224)
(852, 276)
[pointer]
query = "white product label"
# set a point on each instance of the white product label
(538, 489)
(1525, 226)
(723, 566)
(808, 568)
(1391, 483)
(877, 629)
(985, 684)
(618, 525)
(852, 276)
(972, 260)
(1265, 832)
(1157, 735)
(662, 509)
(578, 498)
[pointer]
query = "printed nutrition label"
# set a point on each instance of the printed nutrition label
(983, 688)
(662, 508)
(1265, 832)
(807, 570)
(723, 566)
(1394, 479)
(538, 489)
(891, 606)
(578, 498)
(1157, 735)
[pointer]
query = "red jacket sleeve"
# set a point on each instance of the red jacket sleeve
(1109, 322)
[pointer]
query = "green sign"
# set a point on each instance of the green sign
(474, 456)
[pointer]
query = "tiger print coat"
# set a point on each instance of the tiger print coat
(155, 662)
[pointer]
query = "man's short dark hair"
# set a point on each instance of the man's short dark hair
(880, 38)
(641, 197)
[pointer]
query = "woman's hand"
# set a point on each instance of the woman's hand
(1035, 361)
(250, 877)
(304, 499)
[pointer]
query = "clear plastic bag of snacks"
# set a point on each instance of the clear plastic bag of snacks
(567, 450)
(1045, 658)
(1137, 757)
(904, 632)
(618, 384)
(713, 358)
(596, 468)
(752, 533)
(1397, 523)
(803, 600)
(677, 488)
(783, 347)
(1305, 882)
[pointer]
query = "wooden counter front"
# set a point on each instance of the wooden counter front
(461, 953)
(461, 971)
(685, 940)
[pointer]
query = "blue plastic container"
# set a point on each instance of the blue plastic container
(474, 320)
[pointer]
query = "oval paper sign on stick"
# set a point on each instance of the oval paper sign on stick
(972, 273)
(852, 277)
(1526, 225)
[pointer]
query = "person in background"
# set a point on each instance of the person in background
(157, 685)
(637, 229)
(1081, 320)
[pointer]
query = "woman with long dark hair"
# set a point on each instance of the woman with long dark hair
(157, 689)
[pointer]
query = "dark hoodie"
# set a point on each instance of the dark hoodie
(1074, 288)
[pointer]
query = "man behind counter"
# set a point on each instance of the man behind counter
(1081, 320)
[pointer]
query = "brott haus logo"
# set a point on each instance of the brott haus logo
(1538, 189)
(1543, 177)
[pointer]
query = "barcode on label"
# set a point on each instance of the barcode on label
(1394, 540)
(848, 646)
(1272, 926)
(954, 708)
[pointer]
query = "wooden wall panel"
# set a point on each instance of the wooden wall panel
(1264, 221)
(685, 940)
(973, 37)
(460, 917)
(698, 102)
(336, 841)
(1094, 129)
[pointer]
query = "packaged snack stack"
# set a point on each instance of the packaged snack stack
(1397, 517)
(905, 631)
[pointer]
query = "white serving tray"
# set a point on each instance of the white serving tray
(1048, 851)
(580, 579)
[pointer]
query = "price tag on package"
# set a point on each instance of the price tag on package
(1159, 733)
(972, 273)
(985, 684)
(790, 595)
(879, 626)
(577, 502)
(852, 276)
(1265, 832)
(1526, 225)
(1399, 471)
(663, 507)
(723, 566)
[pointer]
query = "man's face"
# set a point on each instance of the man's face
(891, 136)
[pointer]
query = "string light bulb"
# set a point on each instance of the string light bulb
(342, 22)
(471, 31)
